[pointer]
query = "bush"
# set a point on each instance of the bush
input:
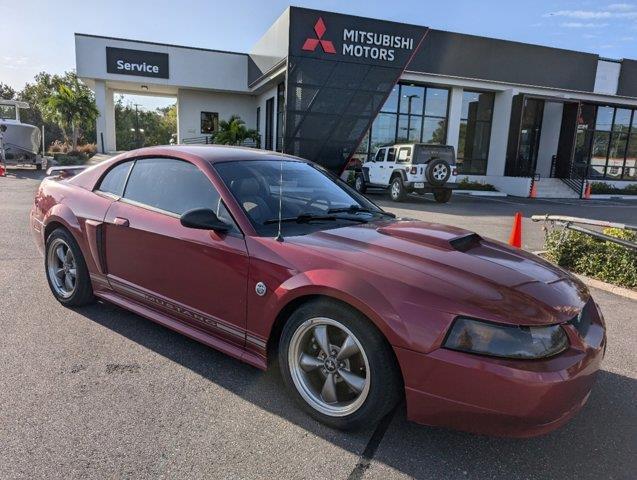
(607, 189)
(88, 149)
(71, 158)
(58, 147)
(466, 184)
(583, 254)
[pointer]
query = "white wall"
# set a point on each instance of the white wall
(516, 186)
(499, 132)
(105, 124)
(455, 112)
(188, 67)
(549, 137)
(192, 102)
(607, 77)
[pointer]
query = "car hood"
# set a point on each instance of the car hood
(462, 272)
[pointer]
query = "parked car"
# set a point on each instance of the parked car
(268, 257)
(410, 167)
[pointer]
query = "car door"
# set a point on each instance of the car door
(196, 276)
(389, 164)
(377, 167)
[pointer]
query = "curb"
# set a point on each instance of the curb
(479, 193)
(607, 287)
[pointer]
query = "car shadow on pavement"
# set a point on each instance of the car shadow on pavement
(600, 442)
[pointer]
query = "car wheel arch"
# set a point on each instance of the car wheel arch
(393, 331)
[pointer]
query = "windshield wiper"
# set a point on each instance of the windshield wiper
(309, 217)
(357, 209)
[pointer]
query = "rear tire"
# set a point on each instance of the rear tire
(38, 166)
(359, 183)
(66, 270)
(443, 195)
(345, 390)
(397, 191)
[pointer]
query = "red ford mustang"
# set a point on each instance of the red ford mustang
(266, 256)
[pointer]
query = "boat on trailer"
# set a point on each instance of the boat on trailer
(20, 143)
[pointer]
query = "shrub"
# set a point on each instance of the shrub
(607, 189)
(466, 184)
(604, 260)
(58, 147)
(89, 149)
(71, 158)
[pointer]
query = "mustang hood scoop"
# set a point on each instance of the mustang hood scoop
(444, 239)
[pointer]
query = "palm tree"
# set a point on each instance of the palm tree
(71, 106)
(234, 131)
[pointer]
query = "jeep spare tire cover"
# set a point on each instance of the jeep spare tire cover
(438, 171)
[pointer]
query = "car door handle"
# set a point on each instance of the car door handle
(381, 166)
(121, 222)
(390, 167)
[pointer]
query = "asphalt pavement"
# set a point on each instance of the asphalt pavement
(99, 392)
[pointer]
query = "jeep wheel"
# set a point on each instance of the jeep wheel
(442, 195)
(397, 190)
(359, 183)
(438, 172)
(338, 365)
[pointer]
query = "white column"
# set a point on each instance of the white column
(499, 132)
(455, 113)
(549, 137)
(105, 125)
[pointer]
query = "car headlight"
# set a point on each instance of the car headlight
(507, 341)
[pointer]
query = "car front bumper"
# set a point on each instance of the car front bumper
(497, 396)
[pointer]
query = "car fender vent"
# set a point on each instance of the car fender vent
(465, 242)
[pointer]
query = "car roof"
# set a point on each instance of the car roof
(217, 153)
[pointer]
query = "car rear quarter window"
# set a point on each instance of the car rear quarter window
(174, 186)
(115, 179)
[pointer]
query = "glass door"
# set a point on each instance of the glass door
(530, 135)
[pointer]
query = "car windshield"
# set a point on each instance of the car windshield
(309, 198)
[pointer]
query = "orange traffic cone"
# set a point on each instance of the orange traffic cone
(3, 171)
(587, 191)
(515, 239)
(533, 193)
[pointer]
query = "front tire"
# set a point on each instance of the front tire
(66, 270)
(338, 366)
(397, 191)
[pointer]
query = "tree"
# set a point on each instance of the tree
(6, 92)
(158, 125)
(72, 105)
(233, 132)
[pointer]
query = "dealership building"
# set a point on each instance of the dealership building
(331, 88)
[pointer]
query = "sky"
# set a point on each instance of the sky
(37, 35)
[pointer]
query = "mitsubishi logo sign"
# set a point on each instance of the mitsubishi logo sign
(311, 43)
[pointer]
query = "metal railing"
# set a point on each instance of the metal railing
(571, 223)
(576, 178)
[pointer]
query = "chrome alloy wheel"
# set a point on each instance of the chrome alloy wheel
(329, 367)
(440, 172)
(62, 268)
(358, 183)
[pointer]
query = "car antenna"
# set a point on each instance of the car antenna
(279, 236)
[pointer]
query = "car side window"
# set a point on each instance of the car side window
(174, 186)
(115, 179)
(404, 155)
(391, 155)
(380, 155)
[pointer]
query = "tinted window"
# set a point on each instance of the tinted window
(174, 186)
(113, 181)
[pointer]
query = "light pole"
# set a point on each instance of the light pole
(410, 99)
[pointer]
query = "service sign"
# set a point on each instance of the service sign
(136, 62)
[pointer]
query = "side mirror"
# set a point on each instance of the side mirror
(203, 219)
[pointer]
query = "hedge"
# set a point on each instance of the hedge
(603, 260)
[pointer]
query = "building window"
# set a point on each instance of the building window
(280, 115)
(613, 143)
(269, 120)
(258, 123)
(411, 113)
(209, 122)
(475, 132)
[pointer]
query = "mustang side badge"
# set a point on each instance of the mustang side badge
(260, 288)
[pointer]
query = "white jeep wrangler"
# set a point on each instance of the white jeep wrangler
(410, 167)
